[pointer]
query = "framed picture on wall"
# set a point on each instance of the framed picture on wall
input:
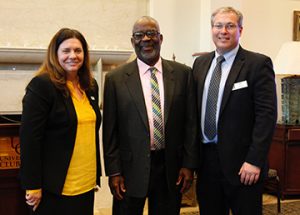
(296, 33)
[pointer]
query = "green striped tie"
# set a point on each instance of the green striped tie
(156, 111)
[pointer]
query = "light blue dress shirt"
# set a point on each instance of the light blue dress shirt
(226, 66)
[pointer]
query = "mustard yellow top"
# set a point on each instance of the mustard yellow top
(81, 176)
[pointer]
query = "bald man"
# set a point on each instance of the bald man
(139, 164)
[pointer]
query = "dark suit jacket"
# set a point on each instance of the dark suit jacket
(247, 116)
(47, 135)
(126, 135)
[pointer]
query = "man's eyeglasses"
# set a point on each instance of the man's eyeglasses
(139, 35)
(228, 26)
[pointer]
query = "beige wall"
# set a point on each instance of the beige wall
(268, 24)
(106, 24)
(180, 25)
(186, 25)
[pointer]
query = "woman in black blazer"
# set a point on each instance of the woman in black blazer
(60, 158)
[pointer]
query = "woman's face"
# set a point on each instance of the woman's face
(70, 56)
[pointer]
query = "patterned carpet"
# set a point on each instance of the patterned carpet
(288, 208)
(190, 213)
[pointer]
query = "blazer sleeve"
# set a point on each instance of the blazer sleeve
(110, 129)
(191, 144)
(36, 106)
(265, 112)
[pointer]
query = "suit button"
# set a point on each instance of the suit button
(148, 155)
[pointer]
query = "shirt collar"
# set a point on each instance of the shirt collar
(143, 67)
(229, 56)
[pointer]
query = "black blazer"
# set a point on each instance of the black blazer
(126, 136)
(247, 115)
(47, 135)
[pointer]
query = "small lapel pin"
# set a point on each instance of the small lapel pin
(93, 98)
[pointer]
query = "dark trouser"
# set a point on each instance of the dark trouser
(160, 202)
(216, 196)
(52, 204)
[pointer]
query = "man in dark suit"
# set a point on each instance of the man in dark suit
(144, 160)
(237, 113)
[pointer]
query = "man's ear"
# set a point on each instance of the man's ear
(161, 37)
(241, 30)
(132, 42)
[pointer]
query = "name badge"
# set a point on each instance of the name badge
(240, 85)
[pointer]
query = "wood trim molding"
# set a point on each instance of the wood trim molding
(37, 55)
(196, 54)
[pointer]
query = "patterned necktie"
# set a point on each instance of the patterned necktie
(158, 133)
(210, 128)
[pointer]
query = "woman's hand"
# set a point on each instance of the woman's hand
(33, 198)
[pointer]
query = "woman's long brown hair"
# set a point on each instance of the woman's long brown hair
(52, 67)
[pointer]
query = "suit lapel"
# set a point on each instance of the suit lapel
(233, 74)
(202, 73)
(94, 103)
(133, 82)
(169, 84)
